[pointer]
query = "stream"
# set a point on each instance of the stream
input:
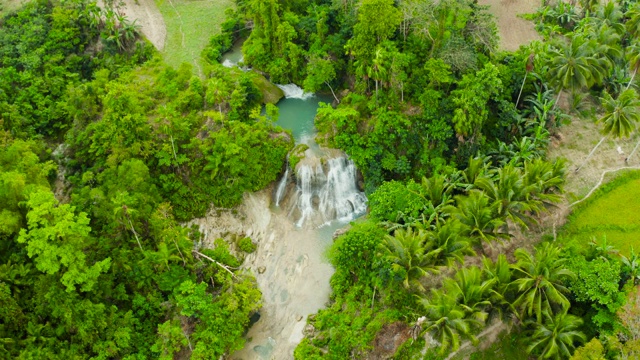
(313, 200)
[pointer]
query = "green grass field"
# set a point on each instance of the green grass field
(614, 213)
(190, 25)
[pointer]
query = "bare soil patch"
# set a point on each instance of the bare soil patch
(574, 142)
(513, 30)
(146, 14)
(389, 339)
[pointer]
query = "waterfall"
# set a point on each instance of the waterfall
(231, 63)
(293, 91)
(327, 193)
(282, 185)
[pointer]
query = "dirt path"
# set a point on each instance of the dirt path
(147, 15)
(513, 31)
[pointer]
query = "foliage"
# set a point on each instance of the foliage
(246, 244)
(540, 281)
(555, 338)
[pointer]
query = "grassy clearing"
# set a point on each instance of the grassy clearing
(190, 24)
(10, 5)
(613, 212)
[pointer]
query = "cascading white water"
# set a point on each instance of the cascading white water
(323, 197)
(282, 185)
(293, 91)
(230, 63)
(341, 195)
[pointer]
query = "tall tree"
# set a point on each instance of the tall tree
(575, 65)
(57, 239)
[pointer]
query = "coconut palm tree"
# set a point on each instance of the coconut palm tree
(449, 243)
(576, 65)
(608, 15)
(540, 281)
(406, 252)
(633, 57)
(528, 68)
(479, 216)
(619, 119)
(556, 337)
(512, 196)
(546, 179)
(633, 21)
(447, 321)
(500, 272)
(471, 291)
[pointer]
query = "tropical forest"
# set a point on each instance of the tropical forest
(320, 179)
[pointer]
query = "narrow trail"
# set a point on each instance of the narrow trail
(602, 180)
(181, 22)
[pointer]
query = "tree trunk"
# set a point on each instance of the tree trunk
(626, 160)
(522, 87)
(334, 94)
(376, 92)
(557, 99)
(133, 230)
(632, 76)
(174, 150)
(591, 153)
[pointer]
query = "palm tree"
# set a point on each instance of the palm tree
(539, 281)
(471, 292)
(511, 195)
(406, 252)
(619, 118)
(575, 65)
(633, 21)
(633, 57)
(608, 15)
(446, 320)
(546, 179)
(378, 71)
(479, 217)
(556, 337)
(500, 272)
(477, 168)
(528, 69)
(449, 243)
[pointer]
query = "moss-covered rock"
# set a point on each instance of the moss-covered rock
(271, 94)
(297, 154)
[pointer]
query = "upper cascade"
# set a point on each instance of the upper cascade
(230, 63)
(293, 91)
